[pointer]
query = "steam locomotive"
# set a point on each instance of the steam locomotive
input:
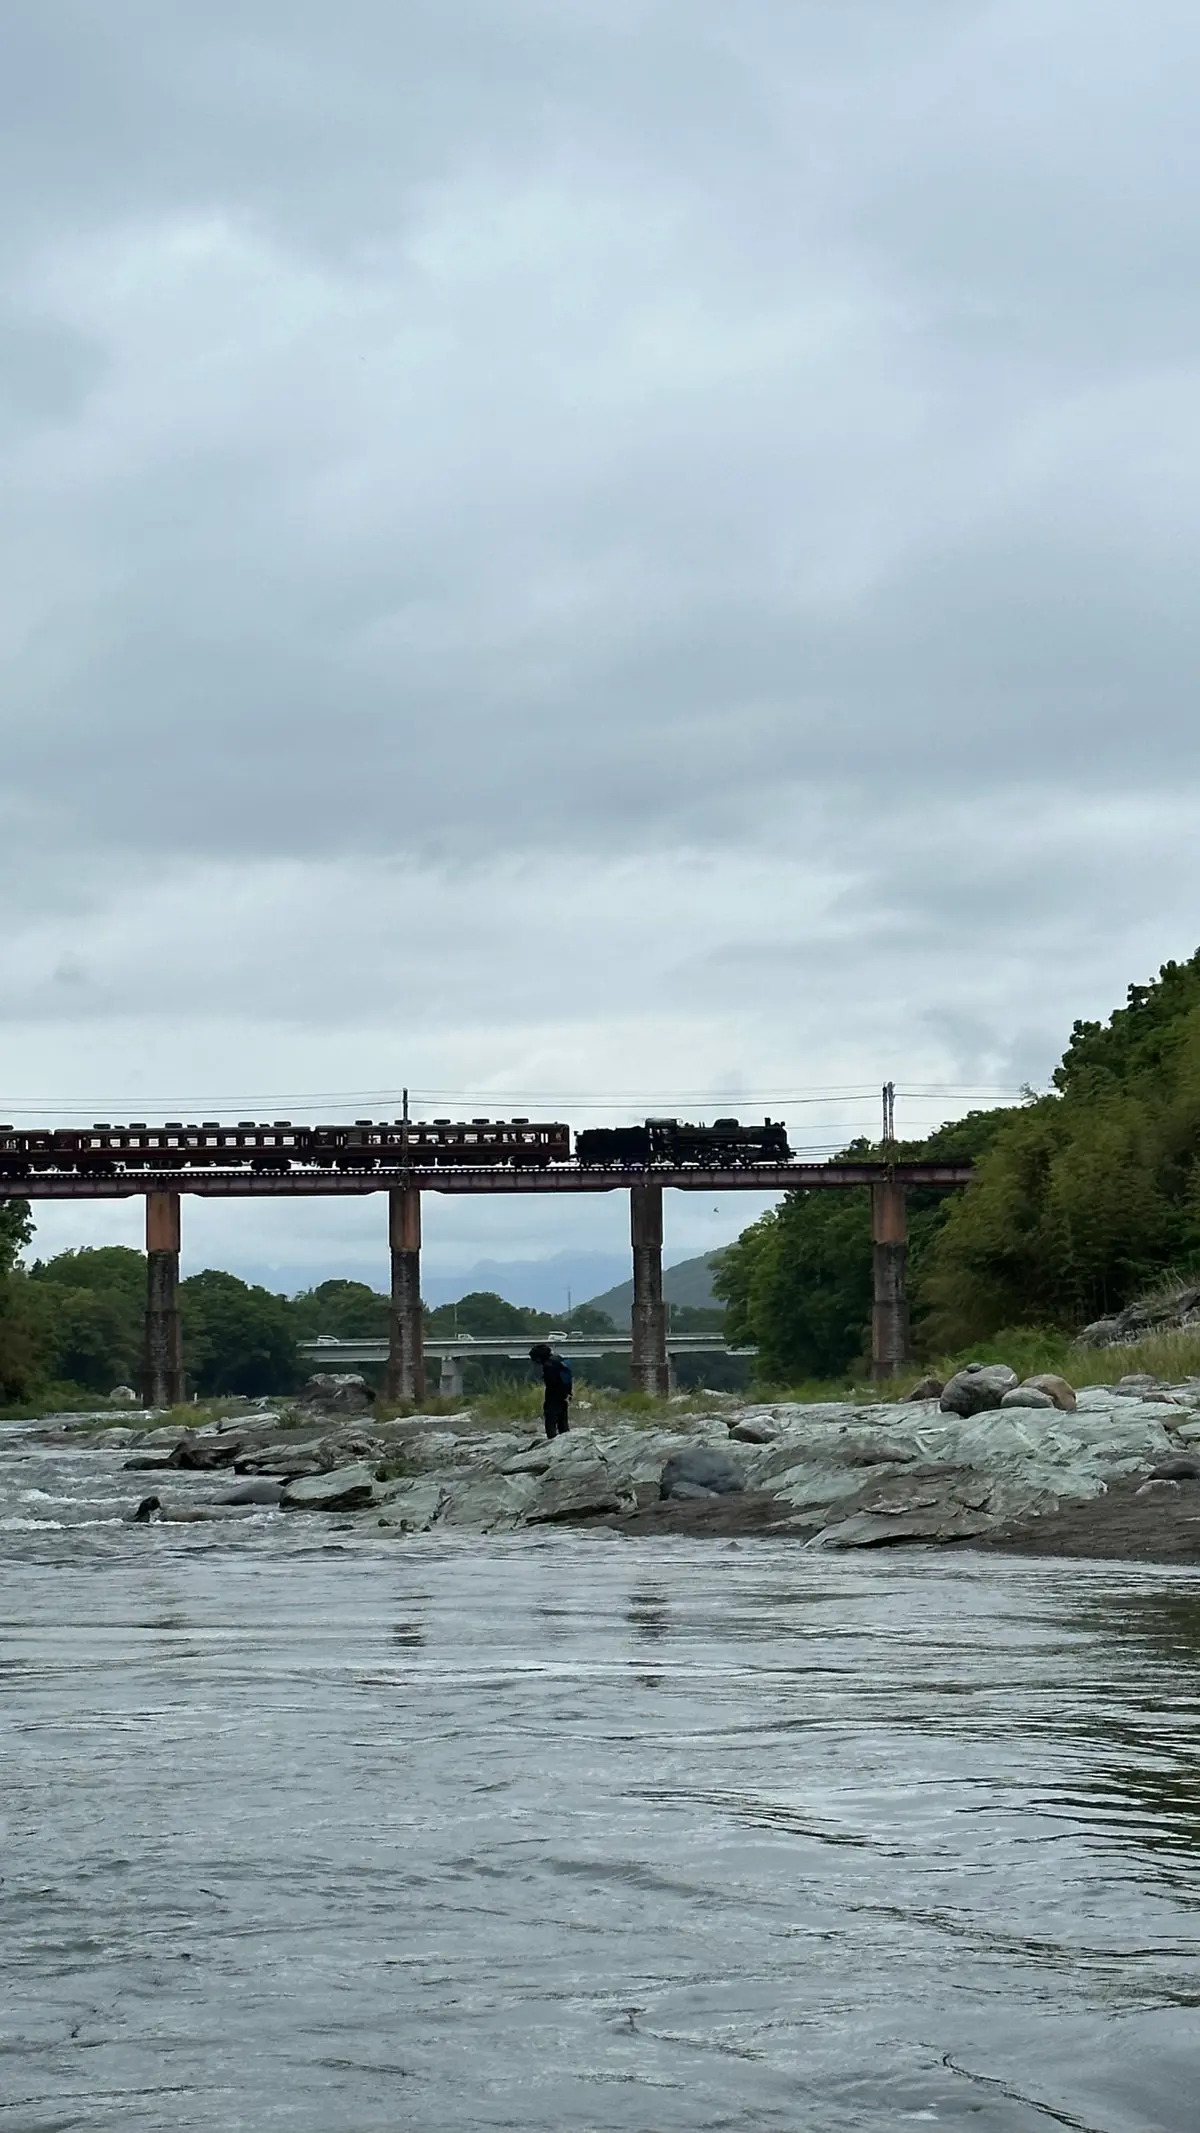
(271, 1149)
(666, 1143)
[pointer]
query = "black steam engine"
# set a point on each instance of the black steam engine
(666, 1143)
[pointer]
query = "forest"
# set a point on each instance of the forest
(1082, 1199)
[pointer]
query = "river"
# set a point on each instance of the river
(329, 1831)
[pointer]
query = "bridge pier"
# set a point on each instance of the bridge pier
(162, 1381)
(406, 1328)
(889, 1315)
(650, 1369)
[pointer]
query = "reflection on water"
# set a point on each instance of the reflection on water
(336, 1832)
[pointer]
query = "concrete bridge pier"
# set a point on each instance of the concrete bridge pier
(889, 1315)
(162, 1381)
(651, 1370)
(406, 1330)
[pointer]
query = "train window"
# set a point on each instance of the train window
(245, 1125)
(137, 1125)
(211, 1125)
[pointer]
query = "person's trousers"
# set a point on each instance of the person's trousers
(554, 1414)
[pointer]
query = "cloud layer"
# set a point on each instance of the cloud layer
(632, 547)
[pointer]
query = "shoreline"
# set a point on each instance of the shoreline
(1116, 1477)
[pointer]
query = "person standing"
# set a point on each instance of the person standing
(558, 1379)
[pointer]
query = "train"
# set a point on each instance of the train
(272, 1148)
(670, 1144)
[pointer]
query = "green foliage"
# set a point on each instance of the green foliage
(483, 1312)
(16, 1231)
(20, 1345)
(1081, 1199)
(1088, 1195)
(797, 1283)
(236, 1338)
(689, 1318)
(348, 1310)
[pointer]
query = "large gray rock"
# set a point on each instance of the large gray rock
(976, 1389)
(575, 1489)
(1026, 1396)
(348, 1445)
(752, 1431)
(1167, 1312)
(342, 1392)
(259, 1492)
(701, 1466)
(349, 1488)
(199, 1454)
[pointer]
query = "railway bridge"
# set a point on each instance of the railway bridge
(163, 1175)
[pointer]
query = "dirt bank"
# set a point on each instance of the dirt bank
(1122, 1526)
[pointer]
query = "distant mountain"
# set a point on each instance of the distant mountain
(536, 1284)
(688, 1283)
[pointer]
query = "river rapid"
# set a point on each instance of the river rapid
(317, 1828)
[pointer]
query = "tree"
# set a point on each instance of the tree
(1090, 1194)
(348, 1310)
(797, 1283)
(22, 1365)
(237, 1338)
(483, 1312)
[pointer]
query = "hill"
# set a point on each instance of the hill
(689, 1283)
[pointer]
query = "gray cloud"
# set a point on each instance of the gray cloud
(682, 512)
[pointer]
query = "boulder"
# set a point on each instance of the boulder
(343, 1392)
(199, 1454)
(976, 1389)
(1026, 1396)
(1062, 1394)
(1164, 1313)
(122, 1396)
(349, 1488)
(335, 1452)
(701, 1466)
(583, 1489)
(929, 1389)
(259, 1492)
(1102, 1333)
(752, 1431)
(1180, 1468)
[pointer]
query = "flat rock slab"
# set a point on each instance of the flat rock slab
(576, 1491)
(349, 1488)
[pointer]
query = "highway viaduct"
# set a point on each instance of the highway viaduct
(163, 1382)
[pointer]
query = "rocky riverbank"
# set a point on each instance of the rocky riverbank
(1114, 1470)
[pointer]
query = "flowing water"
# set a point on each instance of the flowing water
(320, 1829)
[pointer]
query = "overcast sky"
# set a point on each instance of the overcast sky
(577, 550)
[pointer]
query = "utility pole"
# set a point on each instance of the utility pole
(889, 1119)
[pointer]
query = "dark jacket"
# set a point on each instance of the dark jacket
(558, 1392)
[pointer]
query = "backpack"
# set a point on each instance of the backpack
(566, 1376)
